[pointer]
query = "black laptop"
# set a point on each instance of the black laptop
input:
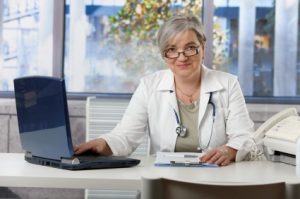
(43, 119)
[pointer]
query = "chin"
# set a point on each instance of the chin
(185, 73)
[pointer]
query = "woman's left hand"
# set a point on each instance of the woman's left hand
(221, 156)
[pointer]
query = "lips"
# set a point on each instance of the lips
(182, 66)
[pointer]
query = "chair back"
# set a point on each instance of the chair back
(102, 115)
(171, 189)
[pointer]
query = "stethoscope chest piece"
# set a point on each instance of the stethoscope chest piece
(181, 131)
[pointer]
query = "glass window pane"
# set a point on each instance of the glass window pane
(27, 40)
(258, 41)
(111, 44)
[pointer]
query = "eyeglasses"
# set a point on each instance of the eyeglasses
(171, 53)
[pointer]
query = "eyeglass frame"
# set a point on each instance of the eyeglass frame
(183, 52)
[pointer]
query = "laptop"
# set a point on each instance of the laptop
(44, 127)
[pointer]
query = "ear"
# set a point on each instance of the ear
(203, 52)
(203, 47)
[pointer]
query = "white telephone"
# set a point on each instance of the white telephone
(279, 135)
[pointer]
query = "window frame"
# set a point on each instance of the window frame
(58, 57)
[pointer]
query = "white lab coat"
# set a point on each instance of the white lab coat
(151, 111)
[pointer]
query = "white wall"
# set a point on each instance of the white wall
(9, 136)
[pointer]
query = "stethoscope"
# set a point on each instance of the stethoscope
(182, 130)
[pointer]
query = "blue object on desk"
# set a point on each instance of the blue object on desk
(43, 118)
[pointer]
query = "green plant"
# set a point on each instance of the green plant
(141, 19)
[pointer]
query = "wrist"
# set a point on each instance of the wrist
(105, 148)
(232, 152)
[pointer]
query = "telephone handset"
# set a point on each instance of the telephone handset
(279, 123)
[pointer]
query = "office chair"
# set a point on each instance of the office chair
(162, 188)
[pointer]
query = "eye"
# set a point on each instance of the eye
(171, 50)
(190, 48)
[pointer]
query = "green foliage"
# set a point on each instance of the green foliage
(220, 51)
(133, 33)
(141, 19)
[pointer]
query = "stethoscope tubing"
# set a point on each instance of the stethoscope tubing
(212, 104)
(181, 130)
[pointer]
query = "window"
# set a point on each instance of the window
(26, 40)
(110, 44)
(257, 40)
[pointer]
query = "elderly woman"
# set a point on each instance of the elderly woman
(185, 108)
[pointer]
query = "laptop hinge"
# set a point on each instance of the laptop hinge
(72, 161)
(28, 154)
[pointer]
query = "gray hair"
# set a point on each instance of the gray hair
(176, 25)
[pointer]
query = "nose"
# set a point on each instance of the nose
(182, 57)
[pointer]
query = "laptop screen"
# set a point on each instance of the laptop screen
(43, 117)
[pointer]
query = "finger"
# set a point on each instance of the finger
(82, 148)
(213, 159)
(226, 162)
(221, 160)
(216, 156)
(76, 147)
(208, 155)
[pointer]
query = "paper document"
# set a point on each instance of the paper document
(180, 159)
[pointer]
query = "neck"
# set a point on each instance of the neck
(187, 90)
(188, 85)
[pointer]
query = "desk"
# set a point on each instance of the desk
(247, 173)
(16, 172)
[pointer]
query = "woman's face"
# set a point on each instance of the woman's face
(183, 66)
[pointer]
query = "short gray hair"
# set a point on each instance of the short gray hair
(176, 25)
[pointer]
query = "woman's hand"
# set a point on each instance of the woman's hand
(221, 156)
(98, 146)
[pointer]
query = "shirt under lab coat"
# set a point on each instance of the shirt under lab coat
(151, 112)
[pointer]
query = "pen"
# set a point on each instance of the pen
(192, 164)
(186, 163)
(190, 156)
(180, 155)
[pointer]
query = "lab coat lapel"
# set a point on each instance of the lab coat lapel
(204, 97)
(208, 84)
(173, 102)
(171, 136)
(167, 85)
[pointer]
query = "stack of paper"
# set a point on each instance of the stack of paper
(180, 159)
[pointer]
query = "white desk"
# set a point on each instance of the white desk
(16, 172)
(254, 172)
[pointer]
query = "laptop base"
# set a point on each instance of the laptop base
(79, 163)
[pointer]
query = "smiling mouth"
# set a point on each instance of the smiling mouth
(183, 65)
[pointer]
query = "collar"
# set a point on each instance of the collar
(167, 82)
(209, 82)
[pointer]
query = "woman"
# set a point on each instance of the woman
(186, 108)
